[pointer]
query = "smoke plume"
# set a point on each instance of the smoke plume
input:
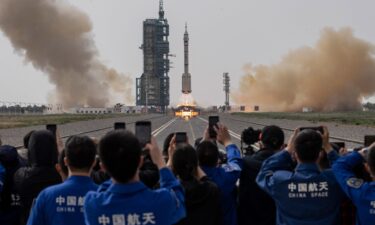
(56, 38)
(335, 75)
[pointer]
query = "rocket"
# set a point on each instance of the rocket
(186, 77)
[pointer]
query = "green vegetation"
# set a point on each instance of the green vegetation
(10, 121)
(353, 118)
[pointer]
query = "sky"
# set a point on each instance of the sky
(225, 35)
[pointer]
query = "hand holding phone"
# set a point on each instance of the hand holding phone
(143, 132)
(181, 137)
(212, 122)
(52, 128)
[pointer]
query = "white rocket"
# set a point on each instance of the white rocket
(186, 77)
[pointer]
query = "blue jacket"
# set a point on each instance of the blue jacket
(2, 177)
(62, 203)
(361, 193)
(305, 196)
(134, 203)
(226, 178)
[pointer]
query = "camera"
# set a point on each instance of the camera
(249, 136)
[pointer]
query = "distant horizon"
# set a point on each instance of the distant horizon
(224, 37)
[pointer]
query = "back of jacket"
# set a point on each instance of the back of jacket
(202, 200)
(305, 196)
(29, 182)
(255, 207)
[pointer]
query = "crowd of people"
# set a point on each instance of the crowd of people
(116, 181)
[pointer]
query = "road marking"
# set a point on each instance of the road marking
(163, 127)
(232, 133)
(192, 131)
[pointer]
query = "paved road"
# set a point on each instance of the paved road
(163, 125)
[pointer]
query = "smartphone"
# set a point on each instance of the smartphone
(52, 128)
(119, 126)
(319, 129)
(212, 122)
(369, 139)
(143, 132)
(181, 137)
(337, 145)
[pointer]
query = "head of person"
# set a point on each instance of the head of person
(60, 166)
(120, 155)
(272, 137)
(208, 154)
(185, 162)
(80, 153)
(166, 143)
(371, 160)
(308, 145)
(42, 148)
(26, 139)
(9, 157)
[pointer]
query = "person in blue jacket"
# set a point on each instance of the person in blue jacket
(360, 192)
(127, 201)
(305, 195)
(63, 203)
(224, 176)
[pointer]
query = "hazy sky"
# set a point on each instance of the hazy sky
(225, 35)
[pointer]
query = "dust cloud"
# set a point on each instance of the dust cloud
(334, 75)
(56, 38)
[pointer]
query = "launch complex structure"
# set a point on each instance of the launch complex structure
(152, 88)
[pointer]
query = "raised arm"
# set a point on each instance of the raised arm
(343, 170)
(169, 182)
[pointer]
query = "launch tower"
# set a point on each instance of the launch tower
(152, 88)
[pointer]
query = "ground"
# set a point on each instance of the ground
(352, 118)
(11, 121)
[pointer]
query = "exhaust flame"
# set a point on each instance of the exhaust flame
(56, 38)
(335, 75)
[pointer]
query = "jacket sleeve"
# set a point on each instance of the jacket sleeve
(271, 168)
(234, 165)
(2, 177)
(343, 170)
(176, 194)
(333, 156)
(37, 216)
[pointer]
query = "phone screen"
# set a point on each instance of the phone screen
(119, 125)
(52, 128)
(212, 121)
(369, 139)
(320, 129)
(181, 137)
(143, 132)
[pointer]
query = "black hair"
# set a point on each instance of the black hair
(371, 159)
(80, 152)
(208, 154)
(26, 139)
(42, 149)
(185, 162)
(120, 153)
(308, 145)
(272, 137)
(61, 163)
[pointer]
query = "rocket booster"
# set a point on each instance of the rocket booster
(186, 77)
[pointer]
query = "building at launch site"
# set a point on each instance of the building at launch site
(152, 88)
